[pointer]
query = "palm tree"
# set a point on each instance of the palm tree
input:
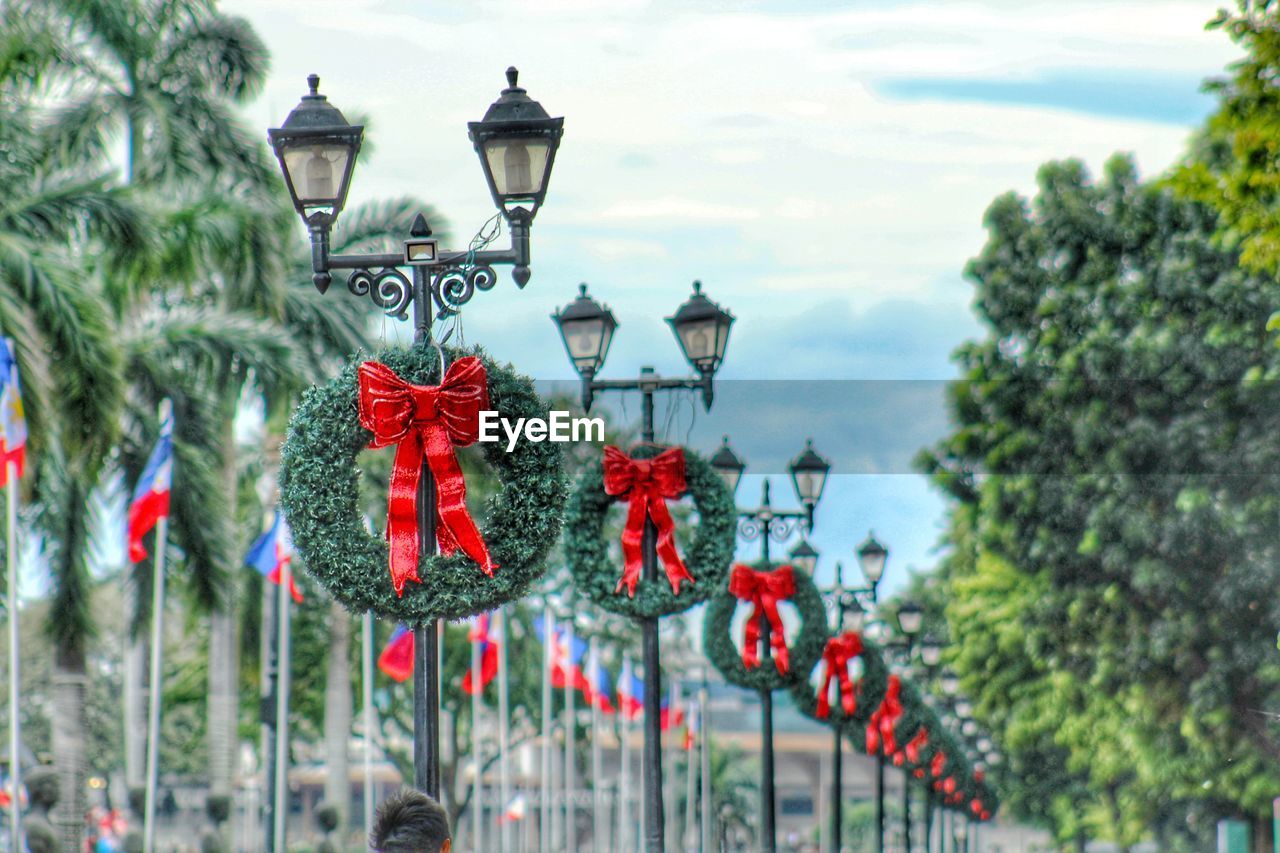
(51, 219)
(164, 74)
(208, 312)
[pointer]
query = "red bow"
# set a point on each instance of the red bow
(426, 421)
(764, 590)
(975, 806)
(939, 762)
(647, 484)
(885, 718)
(949, 784)
(835, 658)
(917, 743)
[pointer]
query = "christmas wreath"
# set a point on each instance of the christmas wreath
(644, 482)
(835, 675)
(762, 590)
(399, 399)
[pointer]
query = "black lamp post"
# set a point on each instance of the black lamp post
(702, 329)
(931, 657)
(317, 148)
(910, 621)
(849, 614)
(808, 475)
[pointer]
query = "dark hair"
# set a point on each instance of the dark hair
(409, 822)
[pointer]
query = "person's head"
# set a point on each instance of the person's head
(410, 822)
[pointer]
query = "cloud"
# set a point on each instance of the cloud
(1129, 94)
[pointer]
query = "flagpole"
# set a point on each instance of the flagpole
(689, 775)
(504, 723)
(570, 746)
(477, 819)
(624, 760)
(15, 732)
(548, 635)
(366, 675)
(281, 809)
(675, 745)
(704, 747)
(597, 760)
(153, 715)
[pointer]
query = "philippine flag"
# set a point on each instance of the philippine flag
(567, 651)
(671, 711)
(630, 691)
(516, 810)
(479, 633)
(150, 501)
(600, 688)
(13, 422)
(691, 730)
(396, 660)
(272, 555)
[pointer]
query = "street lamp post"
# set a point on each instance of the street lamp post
(910, 621)
(317, 148)
(702, 329)
(849, 615)
(931, 657)
(808, 476)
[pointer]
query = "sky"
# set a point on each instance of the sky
(821, 167)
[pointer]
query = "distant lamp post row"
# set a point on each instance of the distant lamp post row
(850, 615)
(317, 149)
(701, 329)
(809, 477)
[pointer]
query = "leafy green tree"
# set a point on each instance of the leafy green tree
(1234, 162)
(1116, 484)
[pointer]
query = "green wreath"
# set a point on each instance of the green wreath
(804, 652)
(869, 690)
(319, 491)
(596, 572)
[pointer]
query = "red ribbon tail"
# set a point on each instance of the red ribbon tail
(676, 569)
(751, 641)
(457, 530)
(632, 534)
(777, 637)
(824, 703)
(402, 513)
(847, 698)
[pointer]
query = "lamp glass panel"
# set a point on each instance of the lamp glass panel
(872, 565)
(809, 483)
(910, 621)
(518, 165)
(587, 341)
(698, 340)
(317, 171)
(854, 618)
(931, 655)
(731, 476)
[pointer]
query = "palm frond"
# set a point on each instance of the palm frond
(212, 345)
(74, 324)
(221, 51)
(380, 226)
